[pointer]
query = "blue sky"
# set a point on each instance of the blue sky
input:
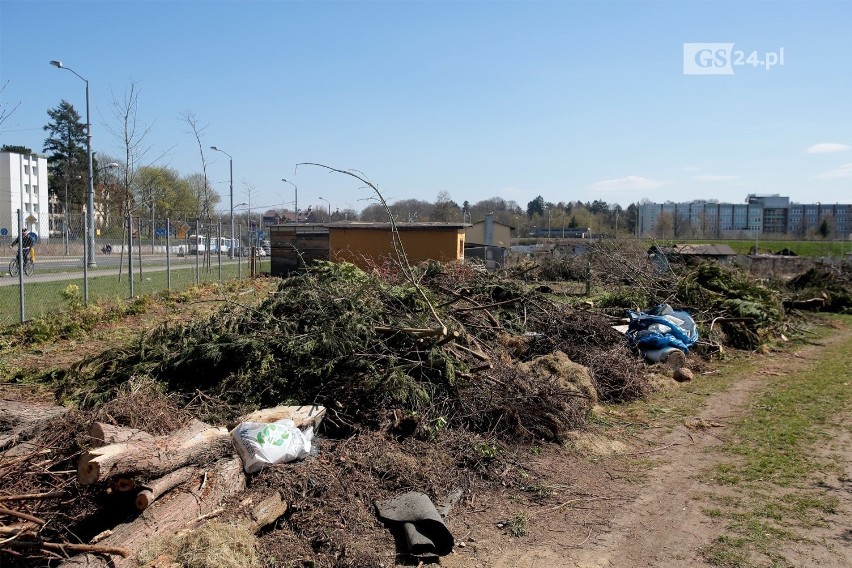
(568, 100)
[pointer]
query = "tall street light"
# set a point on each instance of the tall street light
(90, 208)
(296, 202)
(329, 207)
(231, 160)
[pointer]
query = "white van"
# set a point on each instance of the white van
(197, 244)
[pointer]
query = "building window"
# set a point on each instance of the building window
(26, 170)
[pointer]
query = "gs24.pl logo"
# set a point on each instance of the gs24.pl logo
(722, 59)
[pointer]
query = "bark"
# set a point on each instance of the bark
(265, 512)
(156, 456)
(253, 516)
(19, 419)
(155, 489)
(302, 416)
(169, 515)
(105, 434)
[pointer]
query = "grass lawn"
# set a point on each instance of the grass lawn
(801, 248)
(45, 298)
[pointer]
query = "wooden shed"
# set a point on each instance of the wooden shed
(294, 245)
(361, 243)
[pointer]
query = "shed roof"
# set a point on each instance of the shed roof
(703, 250)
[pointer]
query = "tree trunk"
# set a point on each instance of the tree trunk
(155, 489)
(105, 434)
(302, 416)
(156, 456)
(19, 419)
(170, 515)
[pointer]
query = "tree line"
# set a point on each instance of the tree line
(140, 187)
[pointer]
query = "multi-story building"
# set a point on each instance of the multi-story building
(23, 185)
(760, 214)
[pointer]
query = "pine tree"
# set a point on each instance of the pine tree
(66, 148)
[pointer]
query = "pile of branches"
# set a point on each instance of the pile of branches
(833, 285)
(362, 342)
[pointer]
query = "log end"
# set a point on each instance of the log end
(88, 471)
(144, 499)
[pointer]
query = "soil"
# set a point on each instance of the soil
(614, 516)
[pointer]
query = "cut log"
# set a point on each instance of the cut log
(155, 489)
(265, 512)
(105, 434)
(156, 456)
(19, 419)
(302, 416)
(811, 304)
(253, 516)
(169, 515)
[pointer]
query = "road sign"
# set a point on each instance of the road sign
(4, 231)
(31, 218)
(160, 232)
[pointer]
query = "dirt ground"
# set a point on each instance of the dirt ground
(613, 515)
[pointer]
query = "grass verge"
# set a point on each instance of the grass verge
(772, 462)
(46, 298)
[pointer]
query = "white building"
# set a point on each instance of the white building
(23, 185)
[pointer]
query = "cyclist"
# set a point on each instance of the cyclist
(26, 241)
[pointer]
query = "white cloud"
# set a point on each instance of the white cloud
(627, 183)
(844, 171)
(715, 178)
(828, 148)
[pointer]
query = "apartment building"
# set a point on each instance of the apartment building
(23, 185)
(759, 214)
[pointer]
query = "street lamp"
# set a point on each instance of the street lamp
(329, 206)
(296, 201)
(231, 160)
(90, 208)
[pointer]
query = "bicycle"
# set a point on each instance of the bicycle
(29, 266)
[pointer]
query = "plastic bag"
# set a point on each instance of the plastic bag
(260, 443)
(662, 327)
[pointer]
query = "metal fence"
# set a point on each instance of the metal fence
(130, 256)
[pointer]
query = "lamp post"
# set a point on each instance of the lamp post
(329, 207)
(231, 160)
(90, 207)
(296, 201)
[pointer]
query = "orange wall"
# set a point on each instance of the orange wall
(352, 245)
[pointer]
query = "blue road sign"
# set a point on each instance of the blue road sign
(160, 232)
(4, 231)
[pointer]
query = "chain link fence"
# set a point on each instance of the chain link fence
(122, 258)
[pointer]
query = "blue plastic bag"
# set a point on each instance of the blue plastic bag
(661, 327)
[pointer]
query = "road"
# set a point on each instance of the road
(57, 268)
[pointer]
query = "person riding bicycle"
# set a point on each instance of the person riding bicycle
(26, 242)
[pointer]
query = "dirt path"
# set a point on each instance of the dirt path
(659, 520)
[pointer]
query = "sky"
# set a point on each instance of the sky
(567, 100)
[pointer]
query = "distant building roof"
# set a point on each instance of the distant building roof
(496, 223)
(399, 226)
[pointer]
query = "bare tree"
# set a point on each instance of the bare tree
(6, 112)
(131, 135)
(204, 192)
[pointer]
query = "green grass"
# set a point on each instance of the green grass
(45, 298)
(819, 248)
(770, 461)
